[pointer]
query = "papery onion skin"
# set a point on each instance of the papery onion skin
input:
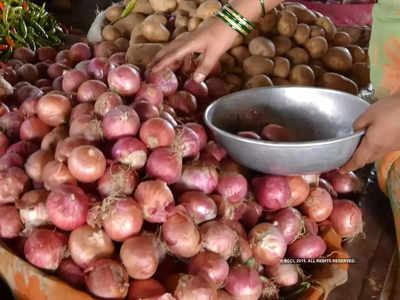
(290, 222)
(87, 244)
(272, 192)
(118, 179)
(151, 93)
(54, 109)
(249, 135)
(232, 186)
(192, 287)
(201, 133)
(10, 124)
(56, 173)
(28, 108)
(106, 102)
(50, 141)
(98, 68)
(318, 206)
(80, 51)
(144, 289)
(310, 246)
(81, 109)
(33, 129)
(13, 182)
(10, 222)
(243, 282)
(11, 159)
(188, 141)
(183, 101)
(71, 273)
(130, 151)
(65, 147)
(344, 183)
(121, 121)
(4, 143)
(215, 150)
(346, 218)
(198, 177)
(32, 208)
(227, 210)
(164, 164)
(90, 90)
(87, 163)
(283, 274)
(299, 190)
(200, 207)
(72, 80)
(252, 214)
(125, 80)
(156, 133)
(165, 80)
(36, 162)
(146, 110)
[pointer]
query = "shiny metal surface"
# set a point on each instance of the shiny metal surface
(321, 119)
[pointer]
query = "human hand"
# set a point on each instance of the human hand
(382, 124)
(213, 38)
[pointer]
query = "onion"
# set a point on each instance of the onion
(198, 177)
(11, 159)
(80, 51)
(45, 248)
(344, 183)
(150, 93)
(165, 80)
(123, 219)
(245, 251)
(168, 117)
(272, 192)
(181, 234)
(82, 109)
(328, 187)
(201, 133)
(64, 147)
(105, 49)
(16, 63)
(183, 101)
(54, 109)
(72, 80)
(26, 92)
(311, 179)
(24, 54)
(117, 59)
(156, 133)
(87, 163)
(3, 109)
(283, 274)
(28, 72)
(164, 164)
(87, 244)
(46, 53)
(23, 148)
(200, 90)
(290, 221)
(140, 257)
(219, 238)
(3, 143)
(63, 58)
(90, 90)
(118, 179)
(71, 273)
(145, 289)
(310, 246)
(120, 121)
(277, 133)
(216, 87)
(188, 141)
(232, 186)
(124, 80)
(28, 108)
(43, 83)
(227, 210)
(36, 162)
(107, 278)
(311, 226)
(192, 287)
(106, 102)
(156, 200)
(299, 190)
(10, 75)
(88, 127)
(222, 295)
(252, 214)
(13, 182)
(346, 218)
(67, 206)
(83, 66)
(56, 70)
(10, 124)
(51, 139)
(32, 208)
(43, 68)
(33, 129)
(10, 222)
(216, 151)
(168, 109)
(130, 151)
(57, 83)
(244, 282)
(199, 206)
(268, 244)
(98, 68)
(146, 110)
(318, 205)
(249, 135)
(56, 173)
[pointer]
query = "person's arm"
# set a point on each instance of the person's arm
(212, 39)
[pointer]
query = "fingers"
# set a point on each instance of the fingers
(208, 62)
(362, 122)
(169, 55)
(359, 159)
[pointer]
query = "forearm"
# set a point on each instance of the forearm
(251, 9)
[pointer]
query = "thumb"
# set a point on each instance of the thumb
(208, 62)
(362, 122)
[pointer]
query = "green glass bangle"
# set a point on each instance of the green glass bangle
(225, 18)
(242, 20)
(263, 7)
(236, 21)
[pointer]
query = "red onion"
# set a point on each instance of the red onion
(130, 151)
(156, 200)
(28, 72)
(244, 282)
(199, 206)
(106, 102)
(24, 54)
(64, 147)
(310, 246)
(10, 75)
(56, 173)
(10, 222)
(272, 192)
(56, 70)
(82, 109)
(10, 124)
(252, 214)
(33, 129)
(216, 87)
(299, 190)
(201, 133)
(32, 208)
(290, 221)
(150, 93)
(145, 110)
(11, 159)
(215, 150)
(165, 164)
(88, 127)
(140, 256)
(187, 141)
(57, 83)
(43, 68)
(344, 183)
(99, 68)
(249, 135)
(3, 143)
(105, 49)
(117, 59)
(45, 53)
(125, 80)
(195, 287)
(16, 63)
(181, 234)
(44, 82)
(328, 187)
(63, 57)
(53, 109)
(118, 179)
(219, 238)
(13, 182)
(318, 205)
(107, 278)
(87, 244)
(90, 90)
(35, 164)
(283, 274)
(268, 244)
(183, 101)
(222, 295)
(146, 289)
(198, 177)
(80, 51)
(156, 133)
(121, 121)
(23, 148)
(311, 226)
(3, 109)
(232, 186)
(71, 273)
(45, 248)
(165, 80)
(72, 80)
(228, 210)
(346, 218)
(26, 92)
(168, 117)
(87, 163)
(200, 90)
(51, 139)
(277, 133)
(83, 66)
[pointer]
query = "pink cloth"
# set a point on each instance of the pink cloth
(343, 14)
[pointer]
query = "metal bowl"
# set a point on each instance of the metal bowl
(321, 119)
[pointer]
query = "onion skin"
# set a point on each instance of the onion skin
(106, 102)
(169, 118)
(10, 222)
(183, 101)
(243, 282)
(23, 148)
(150, 93)
(87, 244)
(24, 54)
(310, 246)
(164, 164)
(344, 183)
(299, 190)
(199, 206)
(228, 211)
(198, 177)
(201, 133)
(192, 287)
(145, 289)
(4, 143)
(56, 173)
(33, 129)
(81, 109)
(249, 135)
(32, 208)
(45, 248)
(11, 159)
(10, 123)
(139, 256)
(72, 80)
(88, 127)
(71, 273)
(107, 278)
(346, 218)
(98, 68)
(54, 109)
(28, 108)
(117, 59)
(130, 151)
(65, 147)
(215, 150)
(311, 226)
(165, 80)
(80, 51)
(156, 133)
(90, 90)
(156, 200)
(146, 110)
(283, 274)
(87, 163)
(222, 295)
(232, 186)
(45, 53)
(268, 244)
(50, 141)
(36, 162)
(251, 215)
(118, 179)
(120, 121)
(272, 192)
(318, 206)
(13, 182)
(105, 49)
(125, 80)
(200, 90)
(187, 141)
(290, 221)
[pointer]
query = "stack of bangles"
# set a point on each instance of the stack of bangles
(235, 20)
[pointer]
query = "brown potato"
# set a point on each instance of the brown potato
(157, 18)
(181, 21)
(259, 81)
(298, 56)
(113, 13)
(238, 41)
(318, 70)
(110, 33)
(355, 33)
(142, 54)
(277, 81)
(122, 44)
(317, 31)
(317, 46)
(240, 53)
(208, 9)
(357, 53)
(281, 67)
(338, 59)
(127, 24)
(155, 32)
(342, 39)
(361, 74)
(262, 46)
(287, 23)
(137, 36)
(302, 34)
(327, 24)
(233, 82)
(163, 5)
(227, 61)
(338, 82)
(255, 65)
(302, 75)
(251, 36)
(282, 44)
(268, 22)
(143, 7)
(194, 23)
(188, 7)
(178, 31)
(304, 15)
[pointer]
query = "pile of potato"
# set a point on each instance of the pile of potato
(291, 46)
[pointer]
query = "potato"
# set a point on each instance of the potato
(137, 36)
(143, 7)
(338, 59)
(302, 75)
(178, 31)
(238, 41)
(251, 36)
(227, 61)
(157, 18)
(317, 46)
(127, 24)
(338, 82)
(282, 44)
(357, 53)
(255, 65)
(281, 67)
(302, 34)
(163, 5)
(342, 39)
(208, 9)
(318, 14)
(181, 21)
(361, 74)
(155, 32)
(327, 24)
(317, 31)
(194, 23)
(277, 81)
(287, 23)
(233, 82)
(268, 22)
(298, 56)
(262, 46)
(240, 53)
(189, 7)
(318, 70)
(259, 81)
(304, 15)
(142, 54)
(355, 33)
(290, 4)
(113, 13)
(122, 44)
(110, 33)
